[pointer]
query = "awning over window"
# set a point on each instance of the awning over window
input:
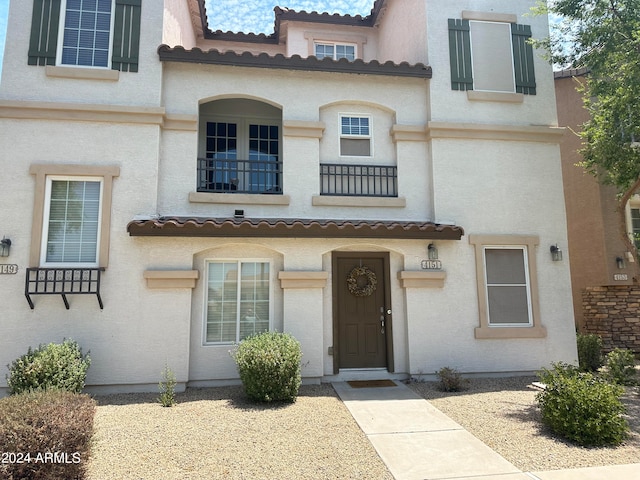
(290, 227)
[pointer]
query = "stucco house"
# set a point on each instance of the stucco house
(386, 188)
(604, 267)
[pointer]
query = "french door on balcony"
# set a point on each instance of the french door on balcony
(241, 156)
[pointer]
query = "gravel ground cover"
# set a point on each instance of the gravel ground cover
(215, 433)
(502, 412)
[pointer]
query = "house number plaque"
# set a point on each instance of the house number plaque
(431, 265)
(8, 269)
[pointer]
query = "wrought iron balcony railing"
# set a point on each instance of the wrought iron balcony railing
(358, 180)
(239, 176)
(63, 281)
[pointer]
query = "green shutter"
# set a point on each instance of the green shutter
(460, 55)
(523, 59)
(44, 32)
(126, 36)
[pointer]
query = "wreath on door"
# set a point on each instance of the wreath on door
(370, 281)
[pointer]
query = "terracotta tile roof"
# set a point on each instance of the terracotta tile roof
(295, 62)
(290, 227)
(282, 14)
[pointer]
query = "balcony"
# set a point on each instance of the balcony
(358, 180)
(239, 176)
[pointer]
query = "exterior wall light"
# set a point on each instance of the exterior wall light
(432, 251)
(620, 262)
(5, 246)
(556, 253)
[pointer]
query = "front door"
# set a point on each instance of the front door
(362, 328)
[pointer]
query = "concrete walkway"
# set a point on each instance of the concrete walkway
(418, 442)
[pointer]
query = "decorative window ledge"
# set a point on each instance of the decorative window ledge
(83, 73)
(354, 201)
(171, 278)
(63, 282)
(239, 198)
(303, 279)
(505, 97)
(410, 279)
(510, 332)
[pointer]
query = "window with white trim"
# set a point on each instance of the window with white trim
(507, 285)
(335, 51)
(86, 32)
(238, 302)
(72, 220)
(355, 136)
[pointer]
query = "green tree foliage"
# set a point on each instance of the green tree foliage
(603, 36)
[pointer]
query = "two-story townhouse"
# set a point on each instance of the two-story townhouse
(386, 188)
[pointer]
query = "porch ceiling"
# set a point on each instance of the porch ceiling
(290, 227)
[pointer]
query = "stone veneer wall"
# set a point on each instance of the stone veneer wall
(613, 312)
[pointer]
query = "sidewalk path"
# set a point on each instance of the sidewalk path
(418, 442)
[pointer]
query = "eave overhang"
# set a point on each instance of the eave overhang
(290, 228)
(295, 62)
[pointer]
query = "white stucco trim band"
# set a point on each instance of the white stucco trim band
(409, 133)
(301, 128)
(476, 131)
(171, 278)
(298, 279)
(412, 279)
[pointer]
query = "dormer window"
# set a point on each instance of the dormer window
(335, 51)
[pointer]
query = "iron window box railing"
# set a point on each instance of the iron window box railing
(239, 176)
(358, 180)
(63, 281)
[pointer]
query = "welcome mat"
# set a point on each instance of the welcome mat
(371, 383)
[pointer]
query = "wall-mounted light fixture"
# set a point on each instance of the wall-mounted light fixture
(5, 246)
(432, 252)
(620, 262)
(556, 253)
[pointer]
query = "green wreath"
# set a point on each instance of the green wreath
(368, 288)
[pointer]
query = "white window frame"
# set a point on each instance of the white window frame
(45, 224)
(351, 136)
(475, 68)
(335, 46)
(527, 285)
(61, 34)
(239, 262)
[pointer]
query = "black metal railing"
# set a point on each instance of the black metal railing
(358, 180)
(62, 281)
(239, 176)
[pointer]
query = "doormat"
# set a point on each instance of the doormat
(371, 383)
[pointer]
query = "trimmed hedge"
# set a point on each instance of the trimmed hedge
(269, 366)
(45, 435)
(54, 366)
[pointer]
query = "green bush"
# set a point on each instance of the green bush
(45, 435)
(582, 407)
(167, 388)
(621, 367)
(53, 366)
(269, 366)
(451, 380)
(589, 352)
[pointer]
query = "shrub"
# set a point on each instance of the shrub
(53, 366)
(269, 366)
(167, 388)
(621, 366)
(582, 407)
(589, 352)
(45, 435)
(451, 380)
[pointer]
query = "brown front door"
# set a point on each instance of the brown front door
(362, 328)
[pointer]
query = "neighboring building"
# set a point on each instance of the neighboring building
(606, 299)
(373, 185)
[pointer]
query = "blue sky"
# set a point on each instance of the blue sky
(243, 15)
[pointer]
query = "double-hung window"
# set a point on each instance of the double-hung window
(86, 33)
(507, 286)
(72, 214)
(335, 51)
(355, 136)
(491, 56)
(238, 300)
